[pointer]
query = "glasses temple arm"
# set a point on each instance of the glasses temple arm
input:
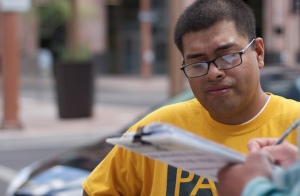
(247, 46)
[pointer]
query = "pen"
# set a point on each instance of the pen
(287, 132)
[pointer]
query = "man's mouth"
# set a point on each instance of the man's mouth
(217, 90)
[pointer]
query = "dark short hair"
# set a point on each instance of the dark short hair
(203, 14)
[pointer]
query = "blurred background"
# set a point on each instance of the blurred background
(76, 71)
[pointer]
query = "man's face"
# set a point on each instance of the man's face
(224, 93)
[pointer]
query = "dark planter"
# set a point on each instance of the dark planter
(74, 88)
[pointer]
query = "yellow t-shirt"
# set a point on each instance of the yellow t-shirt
(124, 172)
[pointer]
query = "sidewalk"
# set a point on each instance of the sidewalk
(118, 102)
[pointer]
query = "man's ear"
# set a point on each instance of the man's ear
(260, 52)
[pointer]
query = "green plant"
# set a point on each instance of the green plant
(52, 15)
(81, 54)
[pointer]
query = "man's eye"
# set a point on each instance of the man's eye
(199, 65)
(230, 58)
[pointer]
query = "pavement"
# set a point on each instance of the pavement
(119, 101)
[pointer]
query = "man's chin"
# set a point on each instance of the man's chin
(221, 106)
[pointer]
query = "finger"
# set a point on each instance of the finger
(259, 164)
(260, 157)
(283, 150)
(256, 144)
(284, 154)
(253, 146)
(268, 157)
(278, 154)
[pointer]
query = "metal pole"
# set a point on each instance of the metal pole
(174, 56)
(146, 38)
(73, 38)
(10, 70)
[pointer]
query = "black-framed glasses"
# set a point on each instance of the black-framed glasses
(228, 61)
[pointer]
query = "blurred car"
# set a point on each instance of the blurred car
(63, 175)
(281, 81)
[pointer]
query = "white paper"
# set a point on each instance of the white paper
(182, 149)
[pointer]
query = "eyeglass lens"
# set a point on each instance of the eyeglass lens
(223, 62)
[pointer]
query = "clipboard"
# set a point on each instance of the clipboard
(179, 148)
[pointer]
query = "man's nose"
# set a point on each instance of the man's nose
(214, 73)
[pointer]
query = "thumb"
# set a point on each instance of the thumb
(253, 146)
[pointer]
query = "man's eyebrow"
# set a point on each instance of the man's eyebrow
(224, 47)
(192, 56)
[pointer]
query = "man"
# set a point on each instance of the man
(253, 178)
(221, 58)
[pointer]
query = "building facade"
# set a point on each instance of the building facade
(111, 31)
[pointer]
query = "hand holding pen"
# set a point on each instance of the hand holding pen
(284, 153)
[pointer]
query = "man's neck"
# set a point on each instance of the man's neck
(269, 97)
(244, 114)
